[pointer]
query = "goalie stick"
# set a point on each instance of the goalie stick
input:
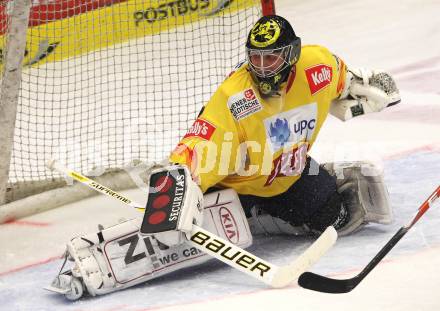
(324, 284)
(268, 273)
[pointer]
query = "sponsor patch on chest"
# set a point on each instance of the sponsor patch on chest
(286, 129)
(319, 77)
(244, 104)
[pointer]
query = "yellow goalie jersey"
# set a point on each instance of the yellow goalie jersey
(258, 145)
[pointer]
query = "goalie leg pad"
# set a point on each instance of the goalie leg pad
(120, 256)
(363, 192)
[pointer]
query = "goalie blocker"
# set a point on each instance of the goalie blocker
(120, 256)
(174, 204)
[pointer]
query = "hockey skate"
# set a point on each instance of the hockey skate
(67, 283)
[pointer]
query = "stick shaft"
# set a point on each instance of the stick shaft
(54, 165)
(324, 284)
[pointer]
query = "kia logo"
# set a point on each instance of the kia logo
(229, 225)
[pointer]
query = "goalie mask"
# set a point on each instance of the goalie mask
(272, 48)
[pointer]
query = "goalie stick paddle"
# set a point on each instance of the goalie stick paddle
(324, 284)
(231, 254)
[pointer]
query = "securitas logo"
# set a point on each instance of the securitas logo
(244, 104)
(319, 77)
(202, 129)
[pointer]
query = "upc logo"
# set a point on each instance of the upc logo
(279, 131)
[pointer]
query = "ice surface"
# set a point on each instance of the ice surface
(400, 36)
(22, 289)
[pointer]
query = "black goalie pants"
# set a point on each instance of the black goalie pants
(312, 200)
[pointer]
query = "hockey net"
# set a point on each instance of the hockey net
(108, 82)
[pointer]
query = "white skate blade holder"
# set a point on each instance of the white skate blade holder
(58, 290)
(66, 285)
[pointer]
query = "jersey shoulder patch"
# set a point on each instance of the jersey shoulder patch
(202, 129)
(319, 77)
(317, 63)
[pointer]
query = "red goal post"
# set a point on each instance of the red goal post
(267, 7)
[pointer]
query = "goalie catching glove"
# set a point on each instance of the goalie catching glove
(365, 91)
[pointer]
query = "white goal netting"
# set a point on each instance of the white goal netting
(106, 82)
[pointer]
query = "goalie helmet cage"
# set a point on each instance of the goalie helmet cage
(104, 84)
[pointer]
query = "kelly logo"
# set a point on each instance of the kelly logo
(319, 77)
(202, 129)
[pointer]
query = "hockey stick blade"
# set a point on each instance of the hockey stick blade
(287, 274)
(316, 282)
(231, 254)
